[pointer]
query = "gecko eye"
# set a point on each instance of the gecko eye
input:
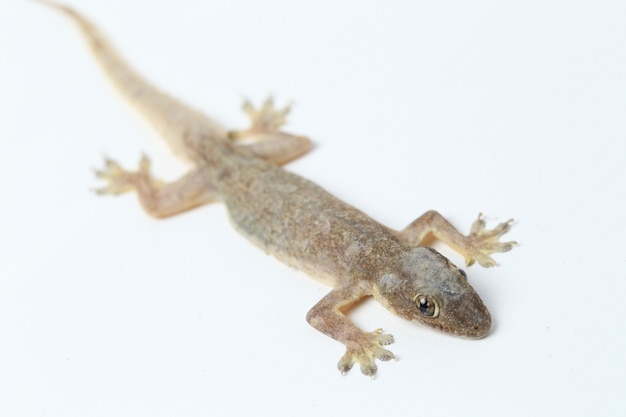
(427, 305)
(463, 273)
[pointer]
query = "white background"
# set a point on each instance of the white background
(515, 109)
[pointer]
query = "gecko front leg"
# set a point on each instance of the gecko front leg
(361, 347)
(475, 247)
(157, 198)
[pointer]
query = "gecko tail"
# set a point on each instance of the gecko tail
(122, 75)
(169, 116)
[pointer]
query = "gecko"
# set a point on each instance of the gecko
(297, 221)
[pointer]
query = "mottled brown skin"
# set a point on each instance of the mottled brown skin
(299, 222)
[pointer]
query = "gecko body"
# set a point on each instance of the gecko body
(300, 223)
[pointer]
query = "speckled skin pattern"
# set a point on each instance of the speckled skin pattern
(299, 222)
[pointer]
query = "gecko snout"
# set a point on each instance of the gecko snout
(479, 328)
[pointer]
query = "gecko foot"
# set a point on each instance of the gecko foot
(365, 350)
(119, 180)
(264, 120)
(483, 242)
(265, 139)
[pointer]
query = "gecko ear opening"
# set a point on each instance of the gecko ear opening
(427, 305)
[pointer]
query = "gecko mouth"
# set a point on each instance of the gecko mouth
(473, 334)
(476, 331)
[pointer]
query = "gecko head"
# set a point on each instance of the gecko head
(427, 288)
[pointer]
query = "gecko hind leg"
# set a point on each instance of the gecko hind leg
(475, 247)
(159, 199)
(265, 138)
